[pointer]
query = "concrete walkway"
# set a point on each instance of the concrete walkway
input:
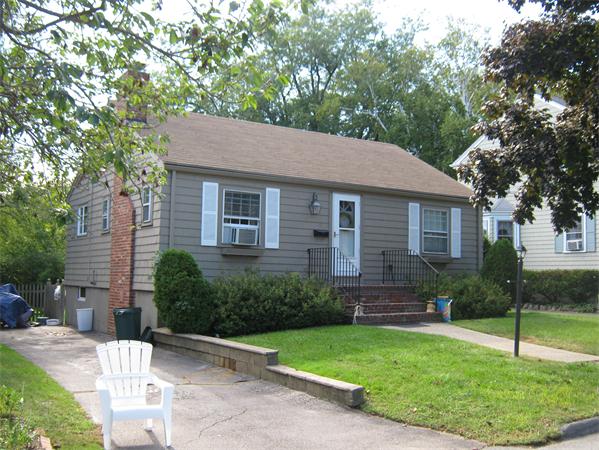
(215, 408)
(496, 342)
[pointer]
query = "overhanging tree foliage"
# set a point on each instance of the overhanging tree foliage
(551, 160)
(62, 60)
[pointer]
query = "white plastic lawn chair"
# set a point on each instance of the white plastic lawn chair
(123, 386)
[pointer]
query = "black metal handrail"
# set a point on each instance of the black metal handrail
(406, 268)
(330, 265)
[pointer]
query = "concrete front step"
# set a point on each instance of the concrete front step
(386, 308)
(406, 317)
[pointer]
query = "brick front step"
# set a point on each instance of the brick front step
(394, 318)
(386, 308)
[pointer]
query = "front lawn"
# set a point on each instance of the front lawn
(443, 383)
(575, 332)
(47, 405)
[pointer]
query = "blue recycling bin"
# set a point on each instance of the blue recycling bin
(444, 307)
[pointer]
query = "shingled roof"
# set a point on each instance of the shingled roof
(246, 147)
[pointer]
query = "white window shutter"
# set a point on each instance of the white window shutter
(209, 213)
(414, 227)
(456, 233)
(517, 240)
(271, 230)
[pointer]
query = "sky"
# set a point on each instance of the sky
(490, 15)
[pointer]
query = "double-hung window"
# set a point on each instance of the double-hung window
(505, 230)
(435, 231)
(82, 220)
(241, 217)
(574, 238)
(106, 215)
(146, 204)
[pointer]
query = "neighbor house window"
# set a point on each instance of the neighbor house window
(146, 204)
(81, 294)
(505, 230)
(574, 238)
(82, 220)
(106, 215)
(241, 217)
(435, 231)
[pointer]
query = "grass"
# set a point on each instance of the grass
(47, 405)
(445, 384)
(575, 332)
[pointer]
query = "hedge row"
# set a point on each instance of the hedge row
(561, 287)
(241, 304)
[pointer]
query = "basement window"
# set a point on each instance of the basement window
(81, 294)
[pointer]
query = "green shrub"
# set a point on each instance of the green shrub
(561, 287)
(250, 303)
(501, 266)
(474, 297)
(182, 295)
(486, 246)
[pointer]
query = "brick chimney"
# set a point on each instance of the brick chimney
(121, 294)
(136, 113)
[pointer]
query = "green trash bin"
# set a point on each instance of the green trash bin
(127, 322)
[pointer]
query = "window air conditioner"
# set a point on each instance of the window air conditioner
(244, 236)
(574, 246)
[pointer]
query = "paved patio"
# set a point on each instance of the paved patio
(496, 342)
(219, 409)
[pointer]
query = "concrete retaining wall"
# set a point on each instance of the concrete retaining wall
(259, 362)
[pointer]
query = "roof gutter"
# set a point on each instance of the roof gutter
(310, 182)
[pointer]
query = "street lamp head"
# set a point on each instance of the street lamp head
(521, 251)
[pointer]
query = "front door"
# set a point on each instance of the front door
(346, 228)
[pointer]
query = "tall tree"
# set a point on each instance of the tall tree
(341, 74)
(32, 233)
(552, 160)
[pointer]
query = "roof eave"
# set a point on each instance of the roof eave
(310, 181)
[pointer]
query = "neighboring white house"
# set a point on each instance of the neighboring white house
(574, 249)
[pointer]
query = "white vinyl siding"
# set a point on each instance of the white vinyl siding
(82, 220)
(106, 215)
(435, 231)
(146, 204)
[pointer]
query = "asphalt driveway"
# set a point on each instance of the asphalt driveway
(215, 408)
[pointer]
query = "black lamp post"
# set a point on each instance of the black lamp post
(521, 251)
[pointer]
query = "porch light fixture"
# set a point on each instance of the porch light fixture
(314, 205)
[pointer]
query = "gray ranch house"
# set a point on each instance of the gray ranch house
(576, 248)
(239, 195)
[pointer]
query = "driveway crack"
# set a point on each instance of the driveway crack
(225, 419)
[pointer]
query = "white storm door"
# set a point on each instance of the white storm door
(346, 228)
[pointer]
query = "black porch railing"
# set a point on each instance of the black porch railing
(331, 266)
(406, 268)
